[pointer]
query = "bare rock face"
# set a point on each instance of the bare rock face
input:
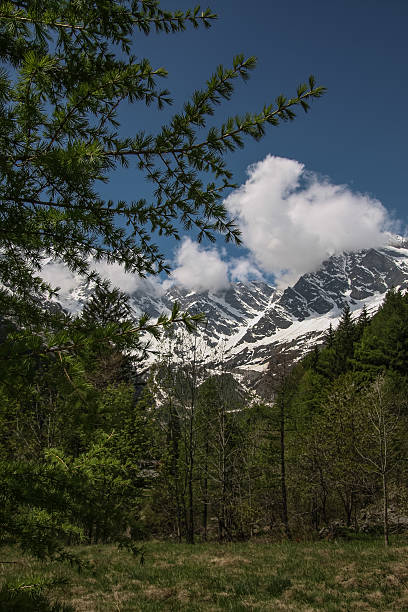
(249, 322)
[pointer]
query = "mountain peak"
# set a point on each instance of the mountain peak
(249, 321)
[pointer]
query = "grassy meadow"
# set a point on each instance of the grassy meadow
(255, 575)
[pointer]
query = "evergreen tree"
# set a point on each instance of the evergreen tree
(114, 360)
(106, 305)
(329, 337)
(384, 343)
(344, 341)
(335, 358)
(362, 322)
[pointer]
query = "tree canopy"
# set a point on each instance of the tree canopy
(67, 67)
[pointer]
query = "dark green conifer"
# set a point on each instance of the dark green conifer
(384, 343)
(106, 305)
(345, 337)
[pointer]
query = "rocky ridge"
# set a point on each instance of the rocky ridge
(249, 322)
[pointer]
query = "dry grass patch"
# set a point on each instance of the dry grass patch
(84, 603)
(400, 570)
(158, 593)
(375, 596)
(100, 601)
(392, 581)
(361, 605)
(347, 583)
(163, 564)
(228, 560)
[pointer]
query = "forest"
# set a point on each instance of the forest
(93, 452)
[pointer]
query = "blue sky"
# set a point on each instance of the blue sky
(349, 152)
(357, 48)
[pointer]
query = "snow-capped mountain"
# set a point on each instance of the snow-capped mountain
(248, 323)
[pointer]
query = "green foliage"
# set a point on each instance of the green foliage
(105, 306)
(331, 444)
(71, 69)
(384, 343)
(73, 445)
(69, 495)
(24, 597)
(76, 448)
(322, 406)
(38, 506)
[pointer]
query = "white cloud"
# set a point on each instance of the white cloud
(291, 219)
(243, 270)
(198, 268)
(57, 274)
(129, 283)
(195, 267)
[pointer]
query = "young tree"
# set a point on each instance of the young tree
(220, 412)
(381, 413)
(177, 388)
(278, 386)
(338, 429)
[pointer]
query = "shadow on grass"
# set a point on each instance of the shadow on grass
(12, 600)
(277, 585)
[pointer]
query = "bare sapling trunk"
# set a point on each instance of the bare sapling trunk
(383, 419)
(285, 518)
(385, 510)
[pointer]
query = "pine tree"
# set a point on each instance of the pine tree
(384, 343)
(329, 337)
(106, 305)
(344, 340)
(335, 358)
(114, 360)
(362, 322)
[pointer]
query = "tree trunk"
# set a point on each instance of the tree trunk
(174, 436)
(385, 509)
(190, 531)
(285, 519)
(205, 502)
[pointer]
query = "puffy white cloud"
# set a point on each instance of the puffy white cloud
(195, 267)
(291, 219)
(199, 268)
(241, 269)
(57, 274)
(129, 283)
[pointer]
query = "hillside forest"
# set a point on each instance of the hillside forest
(94, 452)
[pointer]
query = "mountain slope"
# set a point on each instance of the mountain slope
(248, 323)
(299, 316)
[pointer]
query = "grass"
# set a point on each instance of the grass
(339, 576)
